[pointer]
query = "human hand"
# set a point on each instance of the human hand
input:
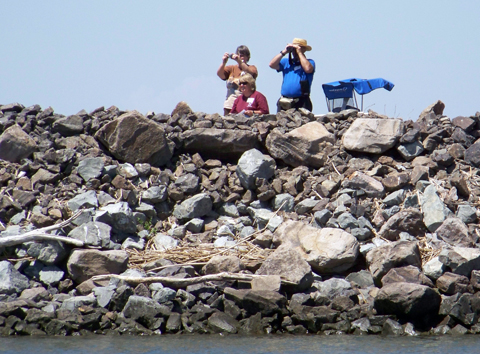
(225, 57)
(249, 113)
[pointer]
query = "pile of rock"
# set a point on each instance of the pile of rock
(339, 223)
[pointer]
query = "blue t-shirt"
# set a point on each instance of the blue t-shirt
(292, 75)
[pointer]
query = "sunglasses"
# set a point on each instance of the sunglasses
(243, 83)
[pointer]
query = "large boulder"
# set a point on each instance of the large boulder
(15, 144)
(372, 135)
(392, 255)
(135, 139)
(84, 264)
(219, 143)
(301, 146)
(407, 300)
(252, 165)
(289, 264)
(327, 250)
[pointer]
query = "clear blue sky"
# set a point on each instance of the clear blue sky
(148, 55)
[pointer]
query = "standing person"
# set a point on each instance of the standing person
(297, 75)
(232, 73)
(251, 101)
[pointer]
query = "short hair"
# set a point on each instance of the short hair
(249, 80)
(243, 50)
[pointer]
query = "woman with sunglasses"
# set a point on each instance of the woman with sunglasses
(251, 101)
(232, 73)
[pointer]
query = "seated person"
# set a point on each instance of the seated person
(250, 102)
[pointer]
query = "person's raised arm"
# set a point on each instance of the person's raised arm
(306, 65)
(275, 62)
(221, 69)
(249, 69)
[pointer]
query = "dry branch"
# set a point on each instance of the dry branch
(41, 235)
(183, 283)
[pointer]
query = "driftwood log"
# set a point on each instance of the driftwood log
(178, 283)
(42, 235)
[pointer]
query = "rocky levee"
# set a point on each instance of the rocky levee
(113, 222)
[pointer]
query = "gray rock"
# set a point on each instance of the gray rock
(221, 143)
(142, 309)
(220, 322)
(135, 139)
(119, 217)
(407, 300)
(104, 295)
(394, 254)
(410, 151)
(83, 264)
(195, 225)
(322, 216)
(372, 135)
(15, 144)
(164, 242)
(87, 199)
(68, 126)
(229, 209)
(305, 206)
(127, 170)
(301, 146)
(408, 220)
(289, 264)
(265, 218)
(187, 183)
(360, 181)
(327, 250)
(361, 279)
(407, 274)
(11, 280)
(252, 165)
(218, 264)
(155, 194)
(90, 168)
(51, 275)
(95, 234)
(434, 211)
(347, 220)
(163, 295)
(75, 302)
(467, 213)
(454, 232)
(461, 260)
(395, 198)
(472, 155)
(433, 268)
(194, 207)
(48, 252)
(284, 201)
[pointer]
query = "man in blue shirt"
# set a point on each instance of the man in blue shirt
(297, 75)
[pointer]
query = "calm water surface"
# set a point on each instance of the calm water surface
(216, 344)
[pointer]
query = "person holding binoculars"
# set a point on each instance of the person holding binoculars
(297, 75)
(232, 73)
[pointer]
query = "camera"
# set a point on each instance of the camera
(231, 55)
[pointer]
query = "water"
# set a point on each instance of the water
(216, 344)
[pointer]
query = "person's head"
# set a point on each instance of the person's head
(244, 52)
(247, 82)
(302, 43)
